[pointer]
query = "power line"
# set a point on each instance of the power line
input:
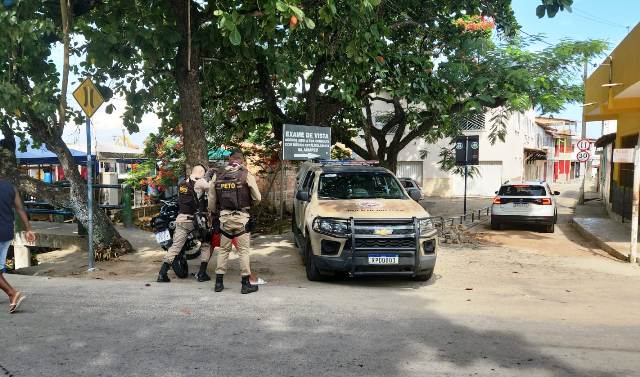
(536, 38)
(598, 19)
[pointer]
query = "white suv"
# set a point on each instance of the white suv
(526, 202)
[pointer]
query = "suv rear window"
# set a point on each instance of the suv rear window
(522, 190)
(359, 185)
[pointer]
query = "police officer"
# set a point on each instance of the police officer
(191, 200)
(235, 190)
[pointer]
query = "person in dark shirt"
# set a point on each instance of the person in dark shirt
(9, 202)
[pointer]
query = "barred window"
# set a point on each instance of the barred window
(471, 122)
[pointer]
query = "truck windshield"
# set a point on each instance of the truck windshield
(359, 185)
(522, 190)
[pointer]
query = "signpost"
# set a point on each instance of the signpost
(583, 156)
(467, 153)
(583, 144)
(89, 99)
(303, 143)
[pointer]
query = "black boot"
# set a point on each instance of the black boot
(247, 287)
(202, 273)
(162, 275)
(219, 286)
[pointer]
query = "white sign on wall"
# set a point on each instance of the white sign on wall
(623, 155)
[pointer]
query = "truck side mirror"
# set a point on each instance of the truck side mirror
(303, 196)
(415, 195)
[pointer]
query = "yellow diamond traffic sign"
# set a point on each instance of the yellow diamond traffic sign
(88, 97)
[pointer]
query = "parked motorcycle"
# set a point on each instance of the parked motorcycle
(164, 226)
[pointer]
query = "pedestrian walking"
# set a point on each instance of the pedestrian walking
(191, 201)
(234, 192)
(9, 202)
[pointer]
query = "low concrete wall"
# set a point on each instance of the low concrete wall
(612, 248)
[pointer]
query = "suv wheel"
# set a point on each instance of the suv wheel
(313, 274)
(423, 277)
(495, 225)
(550, 228)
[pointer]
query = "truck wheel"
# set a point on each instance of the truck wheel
(423, 277)
(313, 274)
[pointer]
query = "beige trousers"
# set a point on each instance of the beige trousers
(180, 237)
(234, 224)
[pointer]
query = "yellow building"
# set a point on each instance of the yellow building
(612, 92)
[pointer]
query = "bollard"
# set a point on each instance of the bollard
(473, 216)
(127, 212)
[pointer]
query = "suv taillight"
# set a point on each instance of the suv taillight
(496, 200)
(545, 201)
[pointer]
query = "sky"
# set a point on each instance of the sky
(590, 19)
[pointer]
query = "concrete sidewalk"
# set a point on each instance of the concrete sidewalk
(593, 222)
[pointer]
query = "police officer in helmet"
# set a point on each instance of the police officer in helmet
(191, 202)
(233, 193)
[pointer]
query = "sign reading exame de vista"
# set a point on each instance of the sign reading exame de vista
(306, 142)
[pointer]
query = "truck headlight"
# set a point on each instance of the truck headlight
(426, 226)
(331, 227)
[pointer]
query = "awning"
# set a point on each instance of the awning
(42, 156)
(605, 140)
(218, 154)
(535, 154)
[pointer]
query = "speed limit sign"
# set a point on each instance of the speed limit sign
(583, 156)
(583, 144)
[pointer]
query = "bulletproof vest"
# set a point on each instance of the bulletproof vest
(232, 192)
(188, 199)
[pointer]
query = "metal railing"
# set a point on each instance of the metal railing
(474, 215)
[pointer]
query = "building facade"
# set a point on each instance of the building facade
(612, 93)
(526, 153)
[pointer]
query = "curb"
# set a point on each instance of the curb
(600, 243)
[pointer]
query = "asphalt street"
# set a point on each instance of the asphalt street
(458, 324)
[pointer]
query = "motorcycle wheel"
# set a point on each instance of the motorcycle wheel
(180, 266)
(191, 250)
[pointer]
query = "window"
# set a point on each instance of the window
(359, 185)
(522, 190)
(308, 181)
(407, 184)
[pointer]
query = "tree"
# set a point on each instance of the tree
(428, 65)
(169, 66)
(33, 102)
(551, 7)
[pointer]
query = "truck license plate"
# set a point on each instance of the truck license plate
(163, 236)
(383, 259)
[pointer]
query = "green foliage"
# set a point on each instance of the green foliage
(551, 7)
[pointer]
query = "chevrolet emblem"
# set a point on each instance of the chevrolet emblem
(383, 232)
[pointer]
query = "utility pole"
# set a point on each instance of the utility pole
(583, 134)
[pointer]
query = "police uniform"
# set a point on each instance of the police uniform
(235, 190)
(190, 200)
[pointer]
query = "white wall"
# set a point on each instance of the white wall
(498, 162)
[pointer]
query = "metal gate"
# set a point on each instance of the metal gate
(410, 169)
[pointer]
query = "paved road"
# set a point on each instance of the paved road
(488, 311)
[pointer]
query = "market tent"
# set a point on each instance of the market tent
(42, 156)
(218, 154)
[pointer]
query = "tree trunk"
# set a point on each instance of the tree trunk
(190, 92)
(8, 166)
(107, 241)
